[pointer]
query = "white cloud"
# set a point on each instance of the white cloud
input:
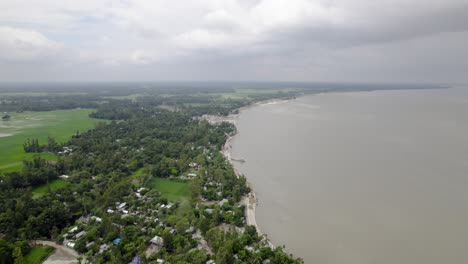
(25, 45)
(287, 38)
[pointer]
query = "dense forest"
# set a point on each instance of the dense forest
(110, 210)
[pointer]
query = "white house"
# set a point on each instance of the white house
(157, 240)
(121, 206)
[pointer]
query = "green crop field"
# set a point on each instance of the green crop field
(59, 124)
(54, 185)
(172, 190)
(37, 255)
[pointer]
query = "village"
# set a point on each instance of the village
(149, 217)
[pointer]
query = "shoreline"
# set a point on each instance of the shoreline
(249, 200)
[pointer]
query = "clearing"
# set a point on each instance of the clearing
(174, 191)
(54, 185)
(37, 255)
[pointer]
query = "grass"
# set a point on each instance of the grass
(172, 190)
(59, 124)
(37, 255)
(137, 174)
(54, 185)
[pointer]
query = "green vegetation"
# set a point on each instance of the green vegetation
(137, 174)
(52, 186)
(128, 178)
(170, 189)
(59, 124)
(37, 255)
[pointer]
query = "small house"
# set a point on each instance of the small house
(117, 241)
(121, 206)
(80, 234)
(158, 241)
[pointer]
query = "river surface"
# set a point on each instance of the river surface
(361, 178)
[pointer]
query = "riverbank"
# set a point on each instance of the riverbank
(250, 200)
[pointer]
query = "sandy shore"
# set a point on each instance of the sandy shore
(250, 200)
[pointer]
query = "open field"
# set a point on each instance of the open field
(54, 185)
(172, 190)
(37, 255)
(138, 173)
(59, 124)
(243, 93)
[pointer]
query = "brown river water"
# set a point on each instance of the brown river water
(361, 178)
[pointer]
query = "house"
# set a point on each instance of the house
(73, 230)
(159, 261)
(193, 164)
(121, 206)
(210, 262)
(223, 202)
(89, 244)
(136, 260)
(71, 244)
(158, 241)
(117, 241)
(110, 211)
(103, 248)
(190, 229)
(97, 219)
(65, 177)
(80, 234)
(193, 175)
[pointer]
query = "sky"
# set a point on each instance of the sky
(234, 40)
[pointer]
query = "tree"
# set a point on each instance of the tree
(18, 255)
(6, 117)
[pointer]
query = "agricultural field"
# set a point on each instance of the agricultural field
(59, 124)
(53, 186)
(172, 190)
(37, 255)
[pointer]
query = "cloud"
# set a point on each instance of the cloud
(25, 45)
(253, 39)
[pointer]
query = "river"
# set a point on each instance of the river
(375, 177)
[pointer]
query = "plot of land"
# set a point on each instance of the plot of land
(52, 186)
(37, 255)
(60, 125)
(172, 190)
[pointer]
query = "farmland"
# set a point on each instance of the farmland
(59, 124)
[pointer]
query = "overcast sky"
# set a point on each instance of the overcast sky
(263, 40)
